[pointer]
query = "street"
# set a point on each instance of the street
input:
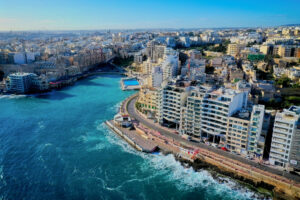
(132, 112)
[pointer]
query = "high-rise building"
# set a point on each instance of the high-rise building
(256, 141)
(156, 77)
(207, 111)
(172, 100)
(19, 82)
(284, 131)
(170, 67)
(22, 83)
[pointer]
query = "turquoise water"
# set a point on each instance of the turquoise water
(131, 82)
(56, 146)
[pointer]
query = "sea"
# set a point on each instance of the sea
(56, 146)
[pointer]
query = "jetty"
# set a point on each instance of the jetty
(139, 142)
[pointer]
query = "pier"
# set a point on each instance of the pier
(133, 138)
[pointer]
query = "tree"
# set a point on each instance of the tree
(284, 81)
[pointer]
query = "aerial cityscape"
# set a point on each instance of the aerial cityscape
(149, 100)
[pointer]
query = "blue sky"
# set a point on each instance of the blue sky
(131, 14)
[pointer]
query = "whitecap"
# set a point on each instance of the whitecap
(12, 96)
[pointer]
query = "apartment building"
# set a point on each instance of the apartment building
(237, 132)
(192, 113)
(284, 131)
(233, 49)
(148, 101)
(256, 141)
(294, 160)
(22, 83)
(172, 99)
(19, 82)
(244, 131)
(207, 111)
(156, 77)
(170, 67)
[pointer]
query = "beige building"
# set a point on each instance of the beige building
(148, 100)
(237, 132)
(284, 51)
(233, 49)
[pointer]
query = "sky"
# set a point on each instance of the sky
(140, 14)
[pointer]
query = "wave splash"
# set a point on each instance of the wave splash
(185, 179)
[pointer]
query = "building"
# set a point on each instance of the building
(170, 67)
(19, 82)
(191, 121)
(138, 58)
(207, 111)
(156, 77)
(256, 140)
(20, 58)
(233, 49)
(284, 51)
(172, 99)
(148, 101)
(297, 53)
(237, 132)
(22, 83)
(284, 131)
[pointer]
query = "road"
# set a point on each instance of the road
(132, 112)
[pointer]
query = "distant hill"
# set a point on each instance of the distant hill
(291, 25)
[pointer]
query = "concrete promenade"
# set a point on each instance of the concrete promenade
(132, 137)
(283, 181)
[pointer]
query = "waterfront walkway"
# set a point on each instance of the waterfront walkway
(129, 105)
(141, 143)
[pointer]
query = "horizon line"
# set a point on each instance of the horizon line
(132, 29)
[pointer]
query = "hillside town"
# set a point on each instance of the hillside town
(235, 89)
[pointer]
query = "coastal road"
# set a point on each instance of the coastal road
(132, 112)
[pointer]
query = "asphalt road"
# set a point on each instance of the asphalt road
(156, 127)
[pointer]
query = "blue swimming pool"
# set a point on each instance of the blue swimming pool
(131, 82)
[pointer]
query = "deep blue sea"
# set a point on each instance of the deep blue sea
(56, 146)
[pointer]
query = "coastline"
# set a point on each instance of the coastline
(72, 80)
(263, 182)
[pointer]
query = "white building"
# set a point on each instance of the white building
(172, 100)
(170, 67)
(285, 127)
(19, 82)
(22, 83)
(207, 112)
(157, 76)
(256, 141)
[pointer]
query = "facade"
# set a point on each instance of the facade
(173, 98)
(207, 111)
(233, 49)
(170, 67)
(256, 141)
(284, 131)
(237, 132)
(19, 82)
(156, 77)
(148, 101)
(20, 58)
(191, 121)
(22, 83)
(294, 160)
(284, 51)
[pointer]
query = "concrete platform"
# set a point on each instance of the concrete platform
(133, 138)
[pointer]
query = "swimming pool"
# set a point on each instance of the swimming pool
(132, 82)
